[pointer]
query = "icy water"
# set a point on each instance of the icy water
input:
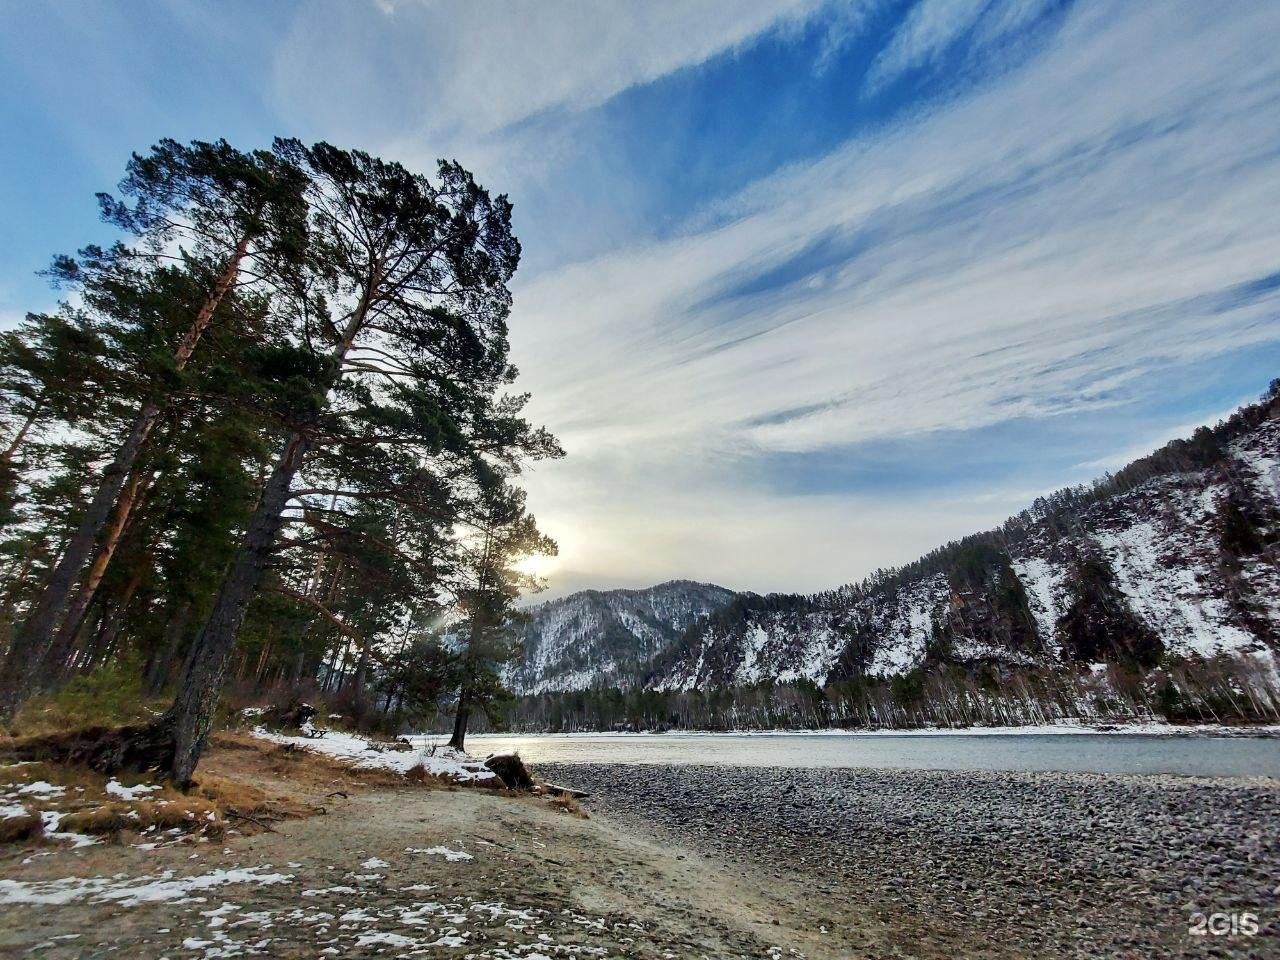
(1209, 756)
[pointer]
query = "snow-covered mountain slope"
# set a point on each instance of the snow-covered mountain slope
(1176, 556)
(606, 637)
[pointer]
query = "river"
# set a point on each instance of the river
(1110, 753)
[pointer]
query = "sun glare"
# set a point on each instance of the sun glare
(536, 565)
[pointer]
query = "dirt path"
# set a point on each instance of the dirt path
(404, 872)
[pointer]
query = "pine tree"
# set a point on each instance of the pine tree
(50, 369)
(222, 204)
(502, 534)
(406, 308)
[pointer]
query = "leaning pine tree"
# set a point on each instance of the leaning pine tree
(406, 296)
(220, 208)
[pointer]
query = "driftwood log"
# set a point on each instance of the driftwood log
(558, 791)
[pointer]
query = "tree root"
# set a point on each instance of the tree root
(511, 771)
(137, 747)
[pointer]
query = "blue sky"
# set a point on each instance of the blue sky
(810, 286)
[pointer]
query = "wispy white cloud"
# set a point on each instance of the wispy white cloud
(1014, 255)
(929, 29)
(457, 71)
(1037, 247)
(1003, 18)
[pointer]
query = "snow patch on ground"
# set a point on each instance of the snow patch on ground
(363, 752)
(1169, 598)
(370, 921)
(1043, 582)
(117, 789)
(452, 856)
(129, 891)
(41, 789)
(904, 623)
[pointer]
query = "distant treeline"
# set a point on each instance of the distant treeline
(1219, 690)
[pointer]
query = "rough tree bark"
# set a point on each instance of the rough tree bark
(54, 661)
(203, 672)
(459, 739)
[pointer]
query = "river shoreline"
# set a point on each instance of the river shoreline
(1111, 753)
(1100, 728)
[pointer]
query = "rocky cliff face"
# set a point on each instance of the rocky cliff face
(1176, 557)
(607, 637)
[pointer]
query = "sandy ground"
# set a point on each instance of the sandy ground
(539, 883)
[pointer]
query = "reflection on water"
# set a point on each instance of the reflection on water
(1109, 753)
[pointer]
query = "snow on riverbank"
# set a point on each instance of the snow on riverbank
(368, 754)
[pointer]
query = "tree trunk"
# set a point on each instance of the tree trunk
(14, 582)
(264, 657)
(299, 664)
(36, 633)
(21, 435)
(55, 657)
(32, 640)
(362, 670)
(206, 665)
(114, 623)
(158, 676)
(205, 668)
(459, 739)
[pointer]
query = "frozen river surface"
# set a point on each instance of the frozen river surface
(1201, 755)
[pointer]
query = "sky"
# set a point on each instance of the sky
(809, 287)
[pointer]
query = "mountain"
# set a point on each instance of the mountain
(1171, 563)
(607, 637)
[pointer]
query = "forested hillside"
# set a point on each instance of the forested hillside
(606, 637)
(1154, 591)
(268, 441)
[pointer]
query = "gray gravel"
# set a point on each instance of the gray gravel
(963, 864)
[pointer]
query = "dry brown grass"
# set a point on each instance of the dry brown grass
(105, 821)
(73, 779)
(244, 758)
(20, 829)
(244, 784)
(189, 815)
(420, 776)
(568, 804)
(111, 696)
